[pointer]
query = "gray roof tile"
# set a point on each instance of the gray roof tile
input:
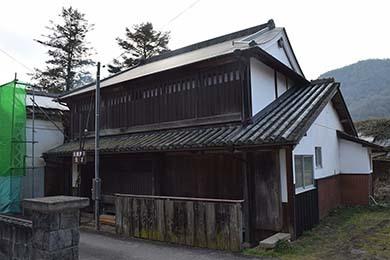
(284, 121)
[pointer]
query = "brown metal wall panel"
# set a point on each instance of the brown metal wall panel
(355, 189)
(329, 195)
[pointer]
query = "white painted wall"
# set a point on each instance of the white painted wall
(354, 158)
(262, 85)
(47, 136)
(323, 133)
(283, 53)
(279, 53)
(283, 174)
(339, 156)
(281, 83)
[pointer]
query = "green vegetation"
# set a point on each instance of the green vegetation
(140, 42)
(366, 88)
(347, 233)
(379, 129)
(69, 53)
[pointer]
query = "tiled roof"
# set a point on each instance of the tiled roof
(284, 121)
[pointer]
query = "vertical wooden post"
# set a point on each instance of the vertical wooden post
(246, 199)
(290, 193)
(157, 171)
(246, 93)
(251, 196)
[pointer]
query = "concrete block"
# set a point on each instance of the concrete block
(45, 221)
(69, 219)
(54, 240)
(55, 203)
(271, 241)
(65, 254)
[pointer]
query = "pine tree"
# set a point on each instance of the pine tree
(69, 52)
(141, 42)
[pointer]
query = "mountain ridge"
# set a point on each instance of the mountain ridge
(365, 86)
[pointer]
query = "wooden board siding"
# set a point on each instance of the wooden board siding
(203, 176)
(58, 177)
(215, 224)
(127, 174)
(306, 211)
(120, 174)
(329, 195)
(355, 189)
(172, 96)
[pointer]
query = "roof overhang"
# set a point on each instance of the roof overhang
(355, 139)
(255, 52)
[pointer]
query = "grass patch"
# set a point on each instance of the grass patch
(347, 233)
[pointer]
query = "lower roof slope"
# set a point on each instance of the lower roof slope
(284, 121)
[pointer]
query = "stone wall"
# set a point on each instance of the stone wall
(15, 238)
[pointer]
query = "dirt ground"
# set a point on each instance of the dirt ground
(347, 233)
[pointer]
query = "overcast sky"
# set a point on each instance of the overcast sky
(324, 34)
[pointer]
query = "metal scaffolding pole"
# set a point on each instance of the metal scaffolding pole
(33, 145)
(97, 182)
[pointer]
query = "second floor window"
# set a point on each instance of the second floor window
(304, 171)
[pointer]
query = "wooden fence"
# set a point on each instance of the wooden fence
(209, 223)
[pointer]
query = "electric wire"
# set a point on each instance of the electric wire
(16, 60)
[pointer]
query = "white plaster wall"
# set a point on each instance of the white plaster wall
(278, 53)
(323, 133)
(354, 158)
(283, 174)
(284, 54)
(262, 85)
(47, 136)
(281, 82)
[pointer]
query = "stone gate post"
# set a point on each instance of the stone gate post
(55, 226)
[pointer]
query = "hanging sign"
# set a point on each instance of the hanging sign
(79, 157)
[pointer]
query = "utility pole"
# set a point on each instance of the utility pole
(96, 186)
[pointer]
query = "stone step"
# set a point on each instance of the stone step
(271, 241)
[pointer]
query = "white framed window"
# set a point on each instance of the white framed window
(304, 171)
(318, 154)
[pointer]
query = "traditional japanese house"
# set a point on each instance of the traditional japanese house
(227, 120)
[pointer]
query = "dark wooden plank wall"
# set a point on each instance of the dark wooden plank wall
(171, 97)
(213, 224)
(58, 177)
(264, 196)
(306, 211)
(269, 215)
(216, 176)
(120, 174)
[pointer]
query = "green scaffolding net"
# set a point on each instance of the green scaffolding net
(12, 145)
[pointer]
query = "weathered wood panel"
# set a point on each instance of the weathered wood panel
(269, 214)
(209, 223)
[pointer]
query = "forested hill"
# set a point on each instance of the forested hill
(366, 88)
